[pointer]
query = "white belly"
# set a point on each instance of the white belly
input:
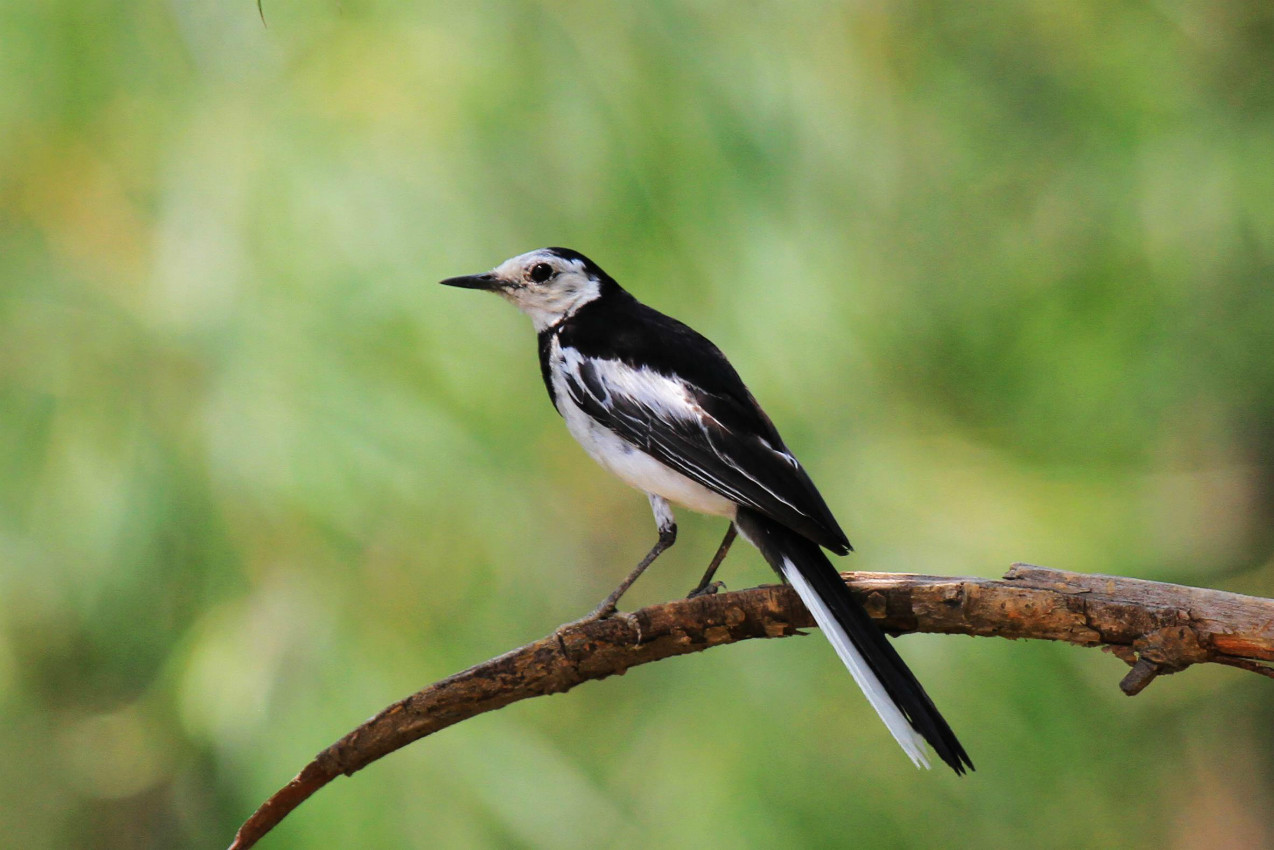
(629, 463)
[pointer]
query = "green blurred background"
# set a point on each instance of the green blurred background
(1002, 273)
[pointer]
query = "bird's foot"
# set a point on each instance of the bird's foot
(601, 612)
(709, 589)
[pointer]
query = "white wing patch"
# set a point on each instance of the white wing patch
(663, 396)
(665, 399)
(626, 460)
(787, 456)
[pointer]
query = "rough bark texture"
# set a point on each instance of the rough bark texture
(1156, 628)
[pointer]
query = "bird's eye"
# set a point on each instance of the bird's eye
(541, 272)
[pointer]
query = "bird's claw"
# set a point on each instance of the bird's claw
(706, 590)
(601, 612)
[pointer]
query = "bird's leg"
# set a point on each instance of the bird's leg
(707, 586)
(667, 537)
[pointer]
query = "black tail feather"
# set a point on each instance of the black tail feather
(778, 543)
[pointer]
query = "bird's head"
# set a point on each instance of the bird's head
(548, 285)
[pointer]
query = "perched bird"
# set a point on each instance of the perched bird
(659, 405)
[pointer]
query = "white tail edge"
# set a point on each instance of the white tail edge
(909, 739)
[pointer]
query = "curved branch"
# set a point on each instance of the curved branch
(1156, 628)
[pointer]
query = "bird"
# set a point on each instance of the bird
(659, 406)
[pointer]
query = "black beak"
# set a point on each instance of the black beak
(486, 281)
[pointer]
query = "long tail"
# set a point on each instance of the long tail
(890, 686)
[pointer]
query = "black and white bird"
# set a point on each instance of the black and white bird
(659, 405)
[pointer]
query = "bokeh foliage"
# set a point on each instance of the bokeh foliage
(1003, 273)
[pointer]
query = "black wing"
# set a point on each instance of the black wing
(671, 393)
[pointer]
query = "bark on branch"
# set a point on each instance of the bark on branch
(1156, 628)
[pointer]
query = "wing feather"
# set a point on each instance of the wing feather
(690, 430)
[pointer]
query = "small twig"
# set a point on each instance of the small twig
(1157, 628)
(1251, 666)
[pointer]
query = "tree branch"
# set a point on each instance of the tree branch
(1156, 628)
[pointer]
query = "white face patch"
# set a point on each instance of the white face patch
(549, 301)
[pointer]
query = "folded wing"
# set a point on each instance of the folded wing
(711, 438)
